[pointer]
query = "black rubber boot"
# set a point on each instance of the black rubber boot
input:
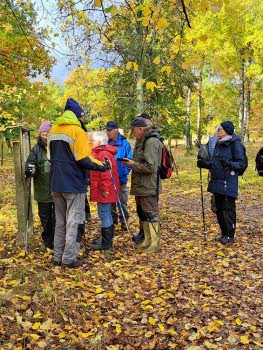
(106, 239)
(139, 237)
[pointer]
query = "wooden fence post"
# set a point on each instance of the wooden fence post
(21, 150)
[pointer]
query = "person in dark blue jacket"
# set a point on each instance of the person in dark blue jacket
(227, 161)
(124, 151)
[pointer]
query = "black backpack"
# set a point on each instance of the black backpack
(259, 162)
(232, 146)
(166, 166)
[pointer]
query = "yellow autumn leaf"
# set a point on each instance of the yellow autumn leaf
(37, 314)
(171, 331)
(34, 336)
(98, 290)
(129, 65)
(87, 335)
(203, 37)
(161, 326)
(238, 322)
(166, 69)
(147, 301)
(258, 344)
(220, 253)
(62, 335)
(36, 325)
(118, 328)
(42, 344)
(157, 60)
(151, 320)
(146, 11)
(150, 85)
(111, 295)
(135, 67)
(114, 10)
(162, 24)
(148, 307)
(145, 21)
(244, 339)
(98, 3)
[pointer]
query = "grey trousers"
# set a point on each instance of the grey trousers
(124, 199)
(70, 212)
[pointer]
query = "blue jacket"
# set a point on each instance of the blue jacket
(229, 176)
(70, 155)
(124, 151)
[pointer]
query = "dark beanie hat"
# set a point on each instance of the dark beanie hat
(74, 107)
(228, 127)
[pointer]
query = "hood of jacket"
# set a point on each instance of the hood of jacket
(234, 138)
(152, 132)
(112, 149)
(68, 118)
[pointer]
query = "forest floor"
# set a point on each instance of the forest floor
(194, 295)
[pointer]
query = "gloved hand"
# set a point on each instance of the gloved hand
(225, 163)
(107, 164)
(203, 164)
(31, 169)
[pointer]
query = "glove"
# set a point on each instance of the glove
(31, 169)
(107, 164)
(225, 163)
(203, 164)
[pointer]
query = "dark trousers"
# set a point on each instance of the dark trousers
(147, 208)
(46, 212)
(226, 214)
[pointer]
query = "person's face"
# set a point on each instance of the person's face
(221, 132)
(138, 132)
(43, 136)
(112, 134)
(95, 143)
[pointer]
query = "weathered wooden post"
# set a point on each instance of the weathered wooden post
(23, 186)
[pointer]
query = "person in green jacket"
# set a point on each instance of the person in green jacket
(145, 181)
(38, 166)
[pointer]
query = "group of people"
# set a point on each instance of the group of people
(66, 155)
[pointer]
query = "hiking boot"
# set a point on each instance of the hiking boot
(155, 234)
(227, 240)
(73, 264)
(218, 238)
(147, 236)
(57, 263)
(139, 237)
(123, 226)
(106, 239)
(87, 217)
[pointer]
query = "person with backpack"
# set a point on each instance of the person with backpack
(259, 162)
(145, 181)
(229, 160)
(124, 151)
(38, 167)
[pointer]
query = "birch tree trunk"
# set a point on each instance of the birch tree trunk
(188, 121)
(199, 109)
(242, 102)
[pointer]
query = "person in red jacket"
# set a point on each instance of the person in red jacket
(102, 188)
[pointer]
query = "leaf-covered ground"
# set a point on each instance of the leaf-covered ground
(193, 295)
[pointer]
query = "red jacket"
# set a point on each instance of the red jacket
(102, 181)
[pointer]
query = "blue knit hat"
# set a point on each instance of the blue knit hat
(228, 127)
(74, 107)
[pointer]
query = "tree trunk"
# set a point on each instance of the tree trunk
(188, 121)
(199, 109)
(139, 92)
(242, 102)
(247, 110)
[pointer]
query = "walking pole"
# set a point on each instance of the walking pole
(119, 201)
(226, 202)
(27, 219)
(203, 208)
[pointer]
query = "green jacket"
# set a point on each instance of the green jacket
(147, 156)
(38, 157)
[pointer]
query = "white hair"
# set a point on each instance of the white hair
(100, 136)
(121, 131)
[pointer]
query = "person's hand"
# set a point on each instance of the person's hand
(202, 164)
(107, 164)
(31, 169)
(225, 163)
(128, 163)
(105, 194)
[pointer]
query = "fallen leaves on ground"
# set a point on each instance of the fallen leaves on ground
(194, 295)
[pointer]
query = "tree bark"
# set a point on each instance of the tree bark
(242, 101)
(199, 109)
(188, 121)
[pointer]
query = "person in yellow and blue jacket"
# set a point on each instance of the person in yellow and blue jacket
(70, 156)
